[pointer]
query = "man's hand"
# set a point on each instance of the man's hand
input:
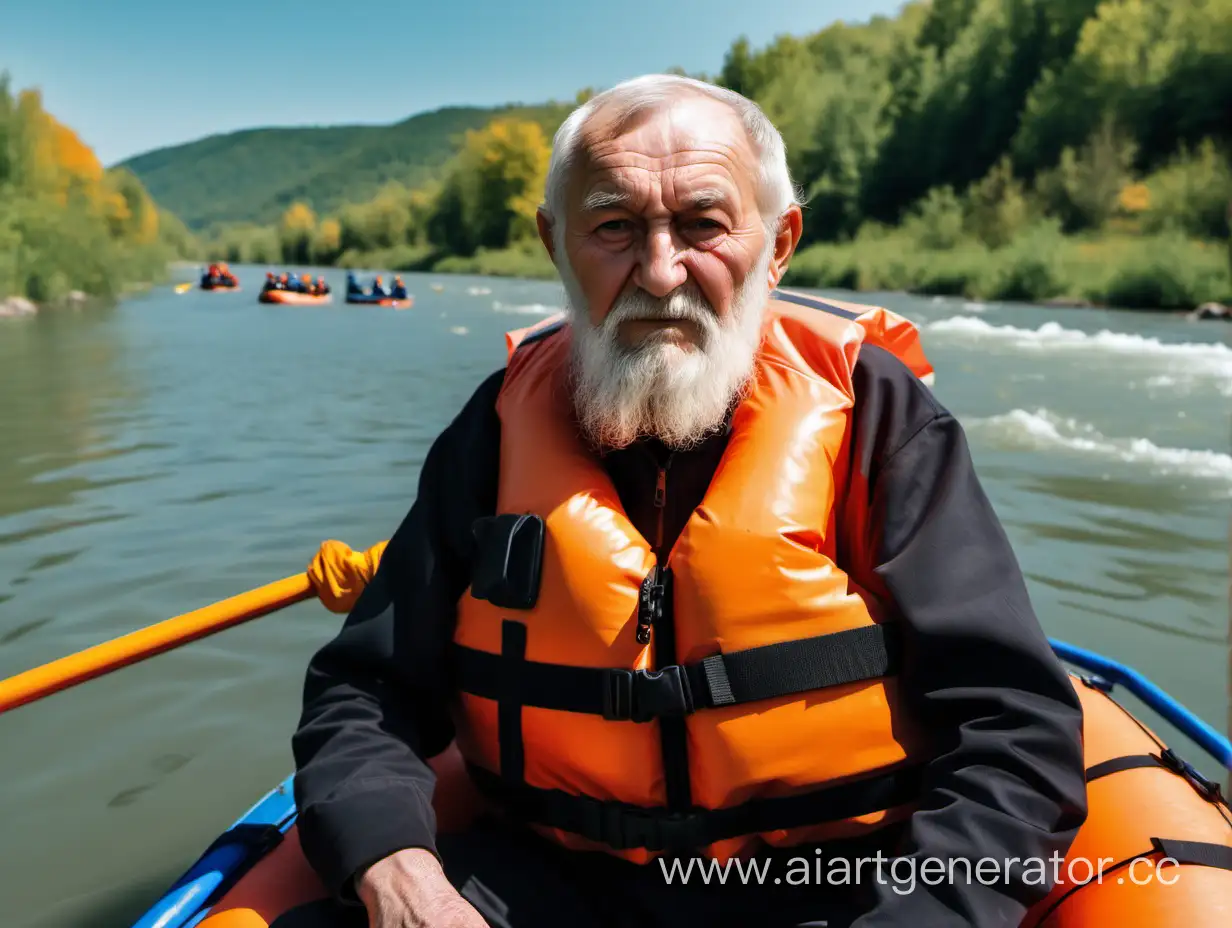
(409, 889)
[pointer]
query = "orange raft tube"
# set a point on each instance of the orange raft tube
(1156, 848)
(293, 298)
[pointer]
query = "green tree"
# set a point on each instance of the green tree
(1160, 68)
(996, 206)
(1083, 190)
(961, 108)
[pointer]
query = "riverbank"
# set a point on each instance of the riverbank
(20, 306)
(15, 306)
(1157, 272)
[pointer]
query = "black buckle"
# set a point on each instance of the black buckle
(643, 695)
(1207, 789)
(621, 827)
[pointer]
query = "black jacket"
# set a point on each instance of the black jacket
(1009, 779)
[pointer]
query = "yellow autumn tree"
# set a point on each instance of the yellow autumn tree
(130, 212)
(494, 188)
(296, 231)
(326, 241)
(67, 223)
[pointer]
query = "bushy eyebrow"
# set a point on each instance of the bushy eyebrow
(604, 199)
(705, 198)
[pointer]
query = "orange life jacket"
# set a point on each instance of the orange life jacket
(746, 688)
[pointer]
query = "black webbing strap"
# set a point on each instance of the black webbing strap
(765, 672)
(1117, 764)
(1202, 853)
(622, 826)
(1169, 760)
(509, 711)
(542, 333)
(801, 665)
(813, 302)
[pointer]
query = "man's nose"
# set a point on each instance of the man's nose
(659, 270)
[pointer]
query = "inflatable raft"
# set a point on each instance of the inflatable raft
(1155, 850)
(294, 298)
(221, 288)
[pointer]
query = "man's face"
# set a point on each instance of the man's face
(667, 267)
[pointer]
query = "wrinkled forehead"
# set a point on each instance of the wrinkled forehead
(692, 149)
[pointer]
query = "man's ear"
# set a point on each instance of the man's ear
(791, 226)
(544, 224)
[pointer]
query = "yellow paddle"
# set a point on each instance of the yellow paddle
(183, 288)
(336, 575)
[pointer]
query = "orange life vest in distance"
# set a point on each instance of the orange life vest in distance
(742, 690)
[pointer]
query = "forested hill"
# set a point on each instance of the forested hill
(255, 174)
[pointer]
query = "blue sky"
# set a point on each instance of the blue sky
(131, 75)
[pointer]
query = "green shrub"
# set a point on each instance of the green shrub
(1029, 269)
(936, 221)
(1192, 194)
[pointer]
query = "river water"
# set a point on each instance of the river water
(178, 449)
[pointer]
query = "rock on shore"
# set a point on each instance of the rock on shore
(17, 306)
(1212, 311)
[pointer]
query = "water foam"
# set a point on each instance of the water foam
(1045, 430)
(1053, 334)
(1188, 359)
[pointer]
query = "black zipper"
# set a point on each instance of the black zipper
(652, 599)
(655, 611)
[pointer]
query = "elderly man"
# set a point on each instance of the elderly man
(700, 577)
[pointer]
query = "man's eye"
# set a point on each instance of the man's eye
(705, 227)
(615, 225)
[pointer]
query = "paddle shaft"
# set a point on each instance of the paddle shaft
(155, 639)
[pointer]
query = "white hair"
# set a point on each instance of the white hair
(775, 191)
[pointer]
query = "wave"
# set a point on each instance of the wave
(1054, 335)
(1191, 360)
(1044, 430)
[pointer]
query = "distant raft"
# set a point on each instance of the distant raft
(376, 295)
(294, 297)
(219, 277)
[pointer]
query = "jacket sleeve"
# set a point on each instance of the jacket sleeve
(1007, 778)
(375, 696)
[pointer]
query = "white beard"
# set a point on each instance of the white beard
(676, 394)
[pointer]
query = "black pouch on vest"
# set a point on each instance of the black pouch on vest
(508, 559)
